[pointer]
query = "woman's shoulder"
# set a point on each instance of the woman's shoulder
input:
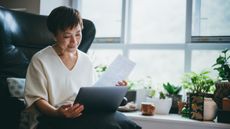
(42, 53)
(84, 57)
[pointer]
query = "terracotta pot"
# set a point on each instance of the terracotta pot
(147, 108)
(226, 104)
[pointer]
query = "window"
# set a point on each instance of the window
(159, 35)
(160, 65)
(201, 62)
(158, 21)
(210, 20)
(106, 14)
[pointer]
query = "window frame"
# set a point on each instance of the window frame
(191, 42)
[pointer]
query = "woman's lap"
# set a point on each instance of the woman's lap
(114, 120)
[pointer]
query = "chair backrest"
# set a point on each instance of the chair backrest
(23, 34)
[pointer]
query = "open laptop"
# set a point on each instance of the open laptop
(101, 99)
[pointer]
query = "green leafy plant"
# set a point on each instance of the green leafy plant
(172, 89)
(101, 68)
(144, 83)
(131, 84)
(151, 93)
(222, 65)
(162, 95)
(198, 83)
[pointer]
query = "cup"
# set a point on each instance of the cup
(147, 108)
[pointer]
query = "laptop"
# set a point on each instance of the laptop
(101, 99)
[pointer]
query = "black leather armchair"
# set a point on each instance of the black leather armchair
(21, 35)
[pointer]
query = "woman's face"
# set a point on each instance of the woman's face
(70, 39)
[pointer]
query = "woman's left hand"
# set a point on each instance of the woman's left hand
(122, 83)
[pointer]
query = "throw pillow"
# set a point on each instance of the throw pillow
(16, 86)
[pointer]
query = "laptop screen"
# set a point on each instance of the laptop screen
(101, 99)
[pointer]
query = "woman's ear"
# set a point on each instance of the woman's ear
(54, 37)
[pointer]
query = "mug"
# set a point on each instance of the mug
(147, 108)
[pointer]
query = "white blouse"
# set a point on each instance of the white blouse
(48, 78)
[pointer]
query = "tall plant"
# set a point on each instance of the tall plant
(222, 65)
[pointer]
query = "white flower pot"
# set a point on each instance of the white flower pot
(162, 105)
(210, 109)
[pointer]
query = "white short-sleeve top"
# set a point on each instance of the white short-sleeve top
(48, 78)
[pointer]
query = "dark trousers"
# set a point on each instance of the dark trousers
(114, 120)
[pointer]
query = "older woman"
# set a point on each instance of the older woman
(57, 72)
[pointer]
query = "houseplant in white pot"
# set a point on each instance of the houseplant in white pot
(173, 92)
(200, 87)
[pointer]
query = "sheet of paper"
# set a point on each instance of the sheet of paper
(118, 70)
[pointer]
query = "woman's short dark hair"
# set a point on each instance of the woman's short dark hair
(62, 18)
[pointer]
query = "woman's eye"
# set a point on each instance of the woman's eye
(66, 36)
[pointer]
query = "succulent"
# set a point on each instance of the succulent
(172, 89)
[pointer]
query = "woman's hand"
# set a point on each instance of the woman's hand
(70, 111)
(122, 83)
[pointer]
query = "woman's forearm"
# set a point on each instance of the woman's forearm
(46, 108)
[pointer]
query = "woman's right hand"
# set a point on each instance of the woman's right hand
(70, 110)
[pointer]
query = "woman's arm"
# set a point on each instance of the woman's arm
(67, 111)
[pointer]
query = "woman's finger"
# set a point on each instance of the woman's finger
(121, 83)
(79, 110)
(66, 106)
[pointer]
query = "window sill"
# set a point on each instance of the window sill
(172, 121)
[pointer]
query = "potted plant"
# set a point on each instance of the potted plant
(162, 103)
(222, 66)
(198, 83)
(173, 92)
(200, 88)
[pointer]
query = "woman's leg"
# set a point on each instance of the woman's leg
(124, 122)
(62, 123)
(114, 120)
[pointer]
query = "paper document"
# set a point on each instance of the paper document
(118, 70)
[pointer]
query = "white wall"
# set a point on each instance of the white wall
(43, 7)
(47, 5)
(32, 6)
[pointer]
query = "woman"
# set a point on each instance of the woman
(57, 72)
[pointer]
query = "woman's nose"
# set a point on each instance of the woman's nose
(73, 39)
